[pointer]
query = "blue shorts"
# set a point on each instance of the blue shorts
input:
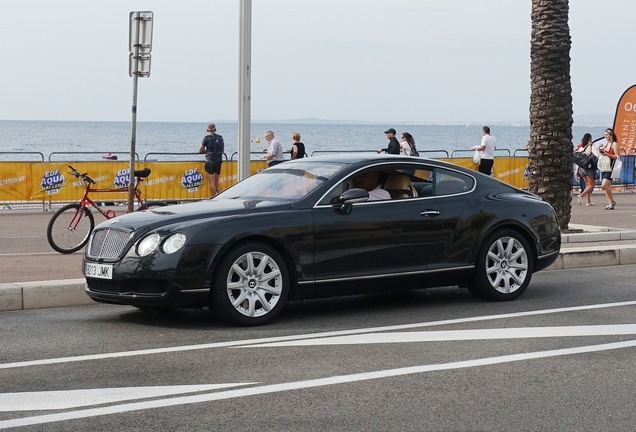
(606, 175)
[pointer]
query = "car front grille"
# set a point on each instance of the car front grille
(140, 287)
(108, 243)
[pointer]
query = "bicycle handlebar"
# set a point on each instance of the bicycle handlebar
(83, 176)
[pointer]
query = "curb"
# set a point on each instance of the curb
(70, 292)
(594, 256)
(43, 294)
(577, 252)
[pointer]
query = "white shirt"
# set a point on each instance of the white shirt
(379, 194)
(406, 148)
(489, 143)
(276, 149)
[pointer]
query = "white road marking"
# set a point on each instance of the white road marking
(18, 254)
(306, 336)
(320, 382)
(65, 399)
(460, 335)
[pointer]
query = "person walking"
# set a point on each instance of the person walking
(407, 146)
(213, 147)
(274, 152)
(487, 150)
(608, 153)
(587, 175)
(394, 145)
(298, 148)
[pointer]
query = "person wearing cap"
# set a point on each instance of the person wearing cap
(213, 147)
(394, 145)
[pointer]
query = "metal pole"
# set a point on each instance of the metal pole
(245, 92)
(131, 183)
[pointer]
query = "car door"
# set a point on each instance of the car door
(376, 238)
(458, 221)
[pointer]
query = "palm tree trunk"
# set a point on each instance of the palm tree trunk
(550, 146)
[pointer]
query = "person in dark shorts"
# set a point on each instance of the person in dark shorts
(213, 147)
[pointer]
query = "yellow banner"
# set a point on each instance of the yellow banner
(53, 180)
(15, 181)
(168, 181)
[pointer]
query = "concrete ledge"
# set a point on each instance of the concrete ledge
(597, 234)
(590, 258)
(10, 297)
(594, 256)
(627, 256)
(43, 294)
(628, 235)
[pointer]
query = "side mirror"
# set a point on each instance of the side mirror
(344, 203)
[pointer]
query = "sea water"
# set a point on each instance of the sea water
(88, 140)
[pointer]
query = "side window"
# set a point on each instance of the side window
(423, 180)
(450, 182)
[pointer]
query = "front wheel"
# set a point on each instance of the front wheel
(504, 267)
(250, 285)
(69, 228)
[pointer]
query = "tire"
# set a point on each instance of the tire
(250, 286)
(504, 267)
(62, 237)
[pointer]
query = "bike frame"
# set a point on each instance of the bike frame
(87, 202)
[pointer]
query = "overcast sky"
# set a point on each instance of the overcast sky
(423, 61)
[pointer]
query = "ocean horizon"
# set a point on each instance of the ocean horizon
(61, 140)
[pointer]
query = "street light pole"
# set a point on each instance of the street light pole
(140, 45)
(245, 91)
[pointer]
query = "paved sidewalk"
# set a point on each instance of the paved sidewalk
(32, 275)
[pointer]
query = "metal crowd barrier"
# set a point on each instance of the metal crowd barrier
(25, 154)
(124, 156)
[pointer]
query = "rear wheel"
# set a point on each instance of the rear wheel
(250, 285)
(69, 228)
(504, 267)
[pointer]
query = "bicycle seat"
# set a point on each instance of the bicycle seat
(143, 173)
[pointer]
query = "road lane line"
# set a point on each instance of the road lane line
(67, 399)
(313, 383)
(461, 335)
(305, 336)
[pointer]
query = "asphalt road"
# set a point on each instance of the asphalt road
(434, 360)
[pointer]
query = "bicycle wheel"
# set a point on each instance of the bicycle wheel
(69, 228)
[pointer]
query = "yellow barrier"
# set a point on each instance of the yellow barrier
(169, 181)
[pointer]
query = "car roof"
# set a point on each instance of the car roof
(353, 158)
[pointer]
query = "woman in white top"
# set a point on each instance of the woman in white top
(407, 146)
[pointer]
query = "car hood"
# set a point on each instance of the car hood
(206, 209)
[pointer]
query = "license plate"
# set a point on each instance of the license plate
(98, 271)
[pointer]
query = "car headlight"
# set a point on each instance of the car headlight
(148, 245)
(173, 243)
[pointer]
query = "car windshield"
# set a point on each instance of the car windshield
(287, 181)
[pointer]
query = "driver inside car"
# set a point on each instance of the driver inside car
(370, 181)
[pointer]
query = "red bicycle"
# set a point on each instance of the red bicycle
(71, 225)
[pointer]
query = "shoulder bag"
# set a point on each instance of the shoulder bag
(583, 159)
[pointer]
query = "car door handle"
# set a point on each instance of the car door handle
(430, 213)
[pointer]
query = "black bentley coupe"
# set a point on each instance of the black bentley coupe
(313, 228)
